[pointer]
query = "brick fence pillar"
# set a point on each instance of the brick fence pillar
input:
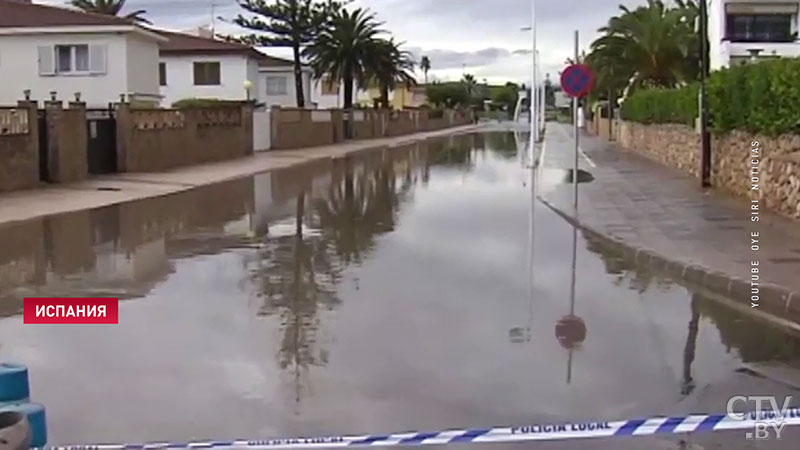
(124, 129)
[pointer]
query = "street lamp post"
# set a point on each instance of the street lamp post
(705, 139)
(534, 84)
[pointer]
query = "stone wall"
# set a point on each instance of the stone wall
(673, 145)
(678, 146)
(297, 128)
(158, 139)
(66, 142)
(19, 147)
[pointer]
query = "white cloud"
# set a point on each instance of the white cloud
(483, 36)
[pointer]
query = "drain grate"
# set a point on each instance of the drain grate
(109, 188)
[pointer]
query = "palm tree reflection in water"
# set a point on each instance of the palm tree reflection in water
(297, 275)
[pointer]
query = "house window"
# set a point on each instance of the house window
(329, 87)
(276, 86)
(206, 74)
(760, 27)
(162, 74)
(72, 58)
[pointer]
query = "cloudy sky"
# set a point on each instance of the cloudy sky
(481, 37)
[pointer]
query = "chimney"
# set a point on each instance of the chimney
(205, 32)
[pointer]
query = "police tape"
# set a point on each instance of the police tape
(696, 423)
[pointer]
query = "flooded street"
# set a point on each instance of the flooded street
(386, 291)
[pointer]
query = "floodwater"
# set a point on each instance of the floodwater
(386, 291)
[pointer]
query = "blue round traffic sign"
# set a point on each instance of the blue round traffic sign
(577, 80)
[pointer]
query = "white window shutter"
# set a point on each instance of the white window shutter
(97, 59)
(47, 60)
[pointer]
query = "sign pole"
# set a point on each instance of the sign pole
(575, 123)
(532, 99)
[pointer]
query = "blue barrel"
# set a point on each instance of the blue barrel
(36, 419)
(14, 383)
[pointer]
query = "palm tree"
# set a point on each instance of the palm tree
(469, 83)
(425, 65)
(286, 23)
(109, 8)
(652, 45)
(392, 66)
(345, 49)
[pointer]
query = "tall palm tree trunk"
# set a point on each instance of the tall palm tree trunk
(298, 77)
(385, 96)
(348, 90)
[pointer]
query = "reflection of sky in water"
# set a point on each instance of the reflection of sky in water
(391, 311)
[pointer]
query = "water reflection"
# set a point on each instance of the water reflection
(751, 341)
(390, 281)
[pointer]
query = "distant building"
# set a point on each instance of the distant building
(562, 99)
(752, 30)
(409, 96)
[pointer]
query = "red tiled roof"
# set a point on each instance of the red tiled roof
(188, 44)
(272, 61)
(182, 43)
(18, 13)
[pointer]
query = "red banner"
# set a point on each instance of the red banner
(71, 310)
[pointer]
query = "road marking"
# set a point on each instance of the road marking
(580, 150)
(540, 160)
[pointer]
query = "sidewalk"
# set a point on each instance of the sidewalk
(664, 220)
(110, 189)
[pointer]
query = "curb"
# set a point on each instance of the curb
(774, 300)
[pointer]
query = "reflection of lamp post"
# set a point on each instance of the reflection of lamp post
(520, 334)
(571, 329)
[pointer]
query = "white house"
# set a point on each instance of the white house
(276, 83)
(329, 94)
(199, 67)
(47, 49)
(744, 30)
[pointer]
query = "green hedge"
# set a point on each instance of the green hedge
(759, 98)
(203, 103)
(661, 105)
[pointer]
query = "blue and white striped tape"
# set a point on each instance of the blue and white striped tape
(697, 423)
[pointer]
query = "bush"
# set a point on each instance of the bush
(186, 103)
(759, 98)
(659, 105)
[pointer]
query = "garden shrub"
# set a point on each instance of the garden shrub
(758, 98)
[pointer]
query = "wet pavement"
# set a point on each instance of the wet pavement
(378, 292)
(650, 206)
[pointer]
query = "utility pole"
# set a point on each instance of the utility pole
(705, 138)
(534, 85)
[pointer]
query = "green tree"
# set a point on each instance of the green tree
(391, 66)
(506, 96)
(425, 66)
(652, 45)
(469, 84)
(109, 8)
(549, 92)
(286, 23)
(345, 49)
(447, 94)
